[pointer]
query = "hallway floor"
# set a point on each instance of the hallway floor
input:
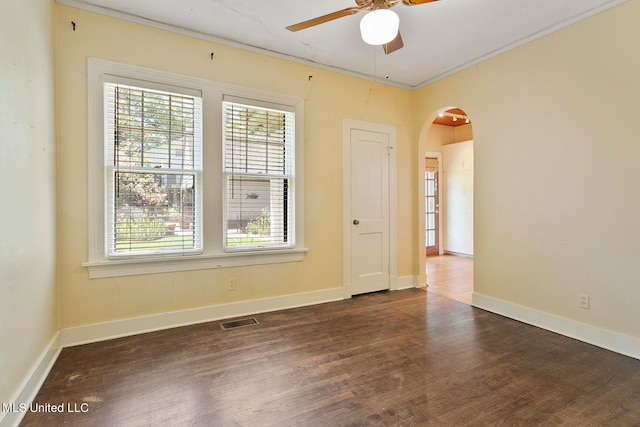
(450, 276)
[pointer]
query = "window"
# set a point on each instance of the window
(153, 146)
(188, 174)
(259, 167)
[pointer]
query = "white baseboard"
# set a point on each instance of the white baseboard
(609, 340)
(395, 284)
(125, 327)
(460, 254)
(404, 282)
(32, 383)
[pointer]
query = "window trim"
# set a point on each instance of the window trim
(213, 255)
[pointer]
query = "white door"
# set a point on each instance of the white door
(369, 153)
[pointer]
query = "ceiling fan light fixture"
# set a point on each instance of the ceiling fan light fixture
(379, 26)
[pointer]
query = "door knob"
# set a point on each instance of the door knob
(356, 222)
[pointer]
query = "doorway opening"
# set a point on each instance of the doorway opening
(446, 205)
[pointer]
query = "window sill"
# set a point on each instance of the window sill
(132, 267)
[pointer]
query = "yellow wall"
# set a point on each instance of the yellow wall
(463, 133)
(329, 98)
(557, 206)
(556, 172)
(28, 294)
(437, 136)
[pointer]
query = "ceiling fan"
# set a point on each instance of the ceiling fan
(378, 27)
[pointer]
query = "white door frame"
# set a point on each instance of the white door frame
(347, 126)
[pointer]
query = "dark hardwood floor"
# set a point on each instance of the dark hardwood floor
(404, 358)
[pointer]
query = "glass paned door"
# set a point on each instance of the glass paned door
(431, 212)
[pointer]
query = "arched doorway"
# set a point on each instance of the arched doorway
(446, 204)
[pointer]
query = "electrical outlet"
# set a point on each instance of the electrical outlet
(584, 301)
(231, 284)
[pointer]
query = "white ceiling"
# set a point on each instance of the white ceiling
(439, 38)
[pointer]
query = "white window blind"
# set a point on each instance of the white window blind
(153, 171)
(259, 172)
